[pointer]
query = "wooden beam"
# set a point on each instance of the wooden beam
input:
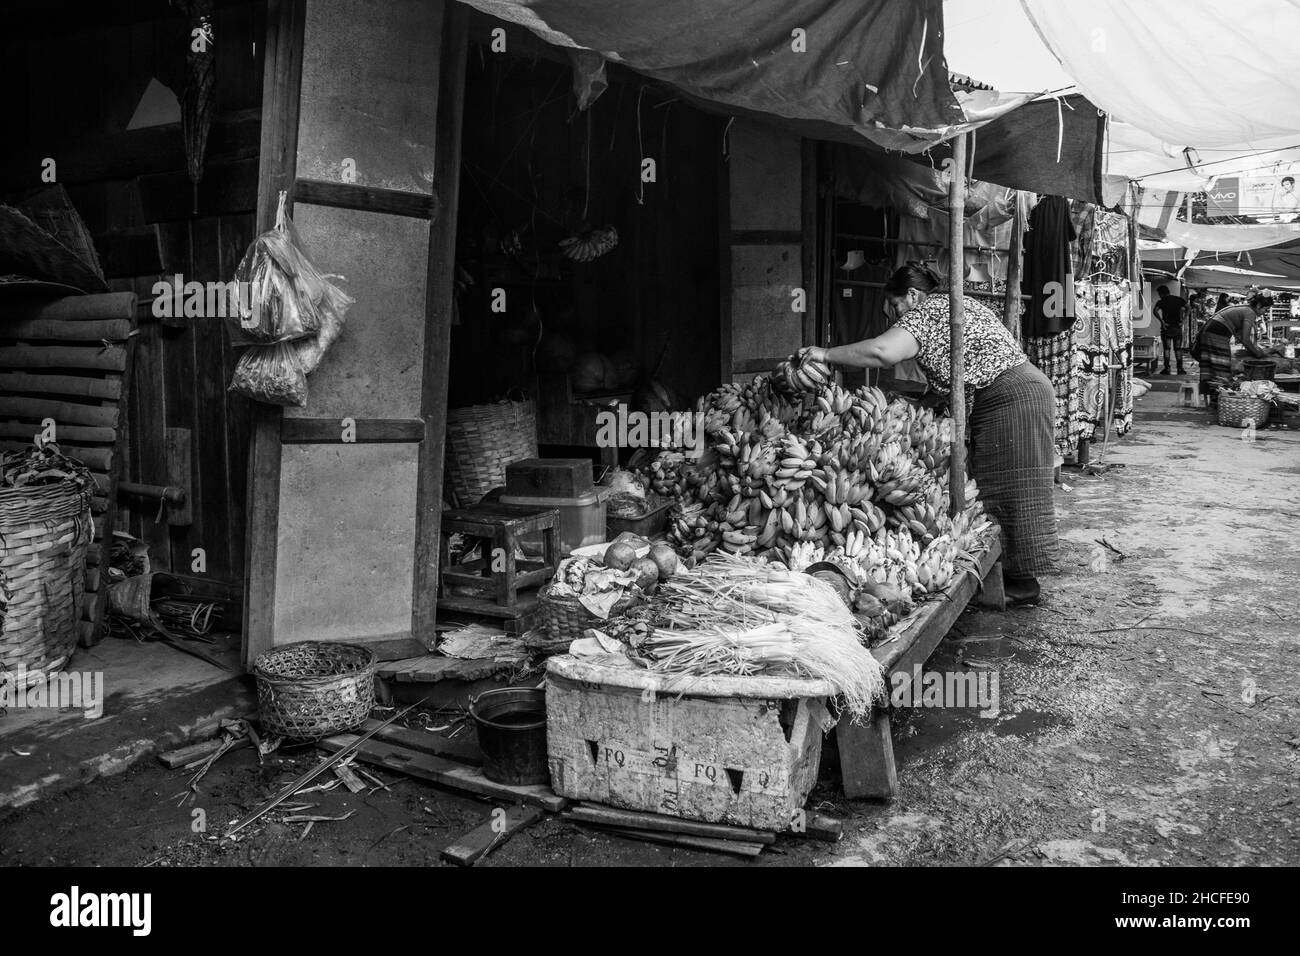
(957, 325)
(766, 237)
(1015, 267)
(52, 330)
(365, 431)
(71, 385)
(111, 358)
(439, 309)
(281, 91)
(394, 202)
(808, 240)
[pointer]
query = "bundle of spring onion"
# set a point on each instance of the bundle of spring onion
(740, 615)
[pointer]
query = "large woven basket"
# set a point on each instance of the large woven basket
(313, 689)
(482, 440)
(44, 533)
(564, 617)
(1234, 409)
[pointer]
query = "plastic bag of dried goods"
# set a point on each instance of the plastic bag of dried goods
(272, 374)
(283, 289)
(334, 305)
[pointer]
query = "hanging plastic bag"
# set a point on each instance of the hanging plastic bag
(334, 306)
(272, 374)
(284, 288)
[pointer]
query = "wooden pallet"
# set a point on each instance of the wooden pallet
(69, 359)
(867, 750)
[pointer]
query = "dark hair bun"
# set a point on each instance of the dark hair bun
(914, 275)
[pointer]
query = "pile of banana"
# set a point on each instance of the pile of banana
(589, 244)
(664, 475)
(797, 468)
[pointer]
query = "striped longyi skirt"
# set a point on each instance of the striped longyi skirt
(1213, 351)
(1012, 459)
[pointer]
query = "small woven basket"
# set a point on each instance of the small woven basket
(313, 689)
(44, 533)
(564, 617)
(1234, 409)
(482, 440)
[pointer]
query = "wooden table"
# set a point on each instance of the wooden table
(867, 749)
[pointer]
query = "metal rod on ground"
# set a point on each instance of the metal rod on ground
(956, 307)
(1011, 300)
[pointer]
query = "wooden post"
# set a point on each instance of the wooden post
(1015, 268)
(439, 307)
(957, 326)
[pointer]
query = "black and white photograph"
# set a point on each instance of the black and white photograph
(648, 434)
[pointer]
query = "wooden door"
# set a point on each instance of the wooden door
(361, 125)
(769, 244)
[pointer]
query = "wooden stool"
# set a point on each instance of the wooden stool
(497, 529)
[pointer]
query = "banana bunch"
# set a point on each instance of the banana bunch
(664, 475)
(756, 463)
(895, 475)
(589, 245)
(937, 566)
(796, 463)
(930, 439)
(802, 554)
(897, 420)
(927, 516)
(800, 374)
(803, 518)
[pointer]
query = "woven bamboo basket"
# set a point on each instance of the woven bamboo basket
(313, 689)
(482, 440)
(564, 617)
(1234, 409)
(44, 533)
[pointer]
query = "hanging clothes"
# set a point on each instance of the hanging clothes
(1048, 276)
(1055, 357)
(1103, 338)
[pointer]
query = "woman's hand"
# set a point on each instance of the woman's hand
(814, 353)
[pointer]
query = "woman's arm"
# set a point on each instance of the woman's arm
(894, 345)
(1248, 338)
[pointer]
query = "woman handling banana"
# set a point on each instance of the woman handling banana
(1010, 407)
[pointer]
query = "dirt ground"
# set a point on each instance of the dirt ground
(1149, 713)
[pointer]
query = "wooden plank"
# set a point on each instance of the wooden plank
(176, 450)
(446, 773)
(63, 433)
(638, 820)
(71, 413)
(62, 331)
(732, 847)
(278, 157)
(349, 778)
(27, 357)
(820, 826)
(486, 837)
(394, 202)
(109, 388)
(867, 767)
(463, 749)
(130, 252)
(808, 241)
(94, 458)
(172, 759)
(439, 312)
(318, 431)
(725, 292)
(992, 593)
(957, 325)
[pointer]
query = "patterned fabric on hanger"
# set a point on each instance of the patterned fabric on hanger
(1055, 357)
(1103, 339)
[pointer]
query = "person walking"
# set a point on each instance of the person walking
(1010, 411)
(1169, 310)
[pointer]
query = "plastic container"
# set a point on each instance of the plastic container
(511, 726)
(649, 525)
(582, 519)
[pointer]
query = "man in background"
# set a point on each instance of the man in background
(1169, 309)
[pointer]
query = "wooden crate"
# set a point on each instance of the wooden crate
(743, 751)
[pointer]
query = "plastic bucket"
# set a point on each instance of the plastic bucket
(511, 726)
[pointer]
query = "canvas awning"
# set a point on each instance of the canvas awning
(863, 70)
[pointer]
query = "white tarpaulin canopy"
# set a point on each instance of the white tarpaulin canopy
(1215, 76)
